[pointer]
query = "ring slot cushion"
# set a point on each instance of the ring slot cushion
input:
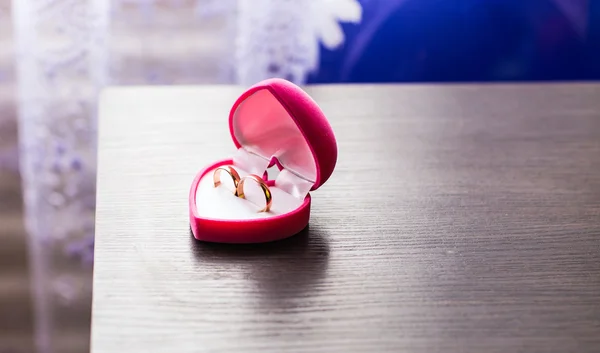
(272, 123)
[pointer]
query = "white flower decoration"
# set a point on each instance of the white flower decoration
(329, 14)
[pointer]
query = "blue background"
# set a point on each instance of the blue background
(465, 41)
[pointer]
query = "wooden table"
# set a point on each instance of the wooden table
(458, 219)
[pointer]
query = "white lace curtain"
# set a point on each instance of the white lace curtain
(66, 51)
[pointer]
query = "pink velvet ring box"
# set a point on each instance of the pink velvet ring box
(273, 123)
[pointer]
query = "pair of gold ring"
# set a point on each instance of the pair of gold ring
(238, 183)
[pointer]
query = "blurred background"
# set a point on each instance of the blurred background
(56, 55)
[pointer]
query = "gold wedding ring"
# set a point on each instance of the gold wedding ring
(263, 186)
(232, 173)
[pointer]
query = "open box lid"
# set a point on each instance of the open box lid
(277, 121)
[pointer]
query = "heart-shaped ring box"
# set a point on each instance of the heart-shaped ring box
(273, 123)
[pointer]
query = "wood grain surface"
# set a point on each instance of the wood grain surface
(458, 219)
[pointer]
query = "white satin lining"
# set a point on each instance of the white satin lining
(287, 181)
